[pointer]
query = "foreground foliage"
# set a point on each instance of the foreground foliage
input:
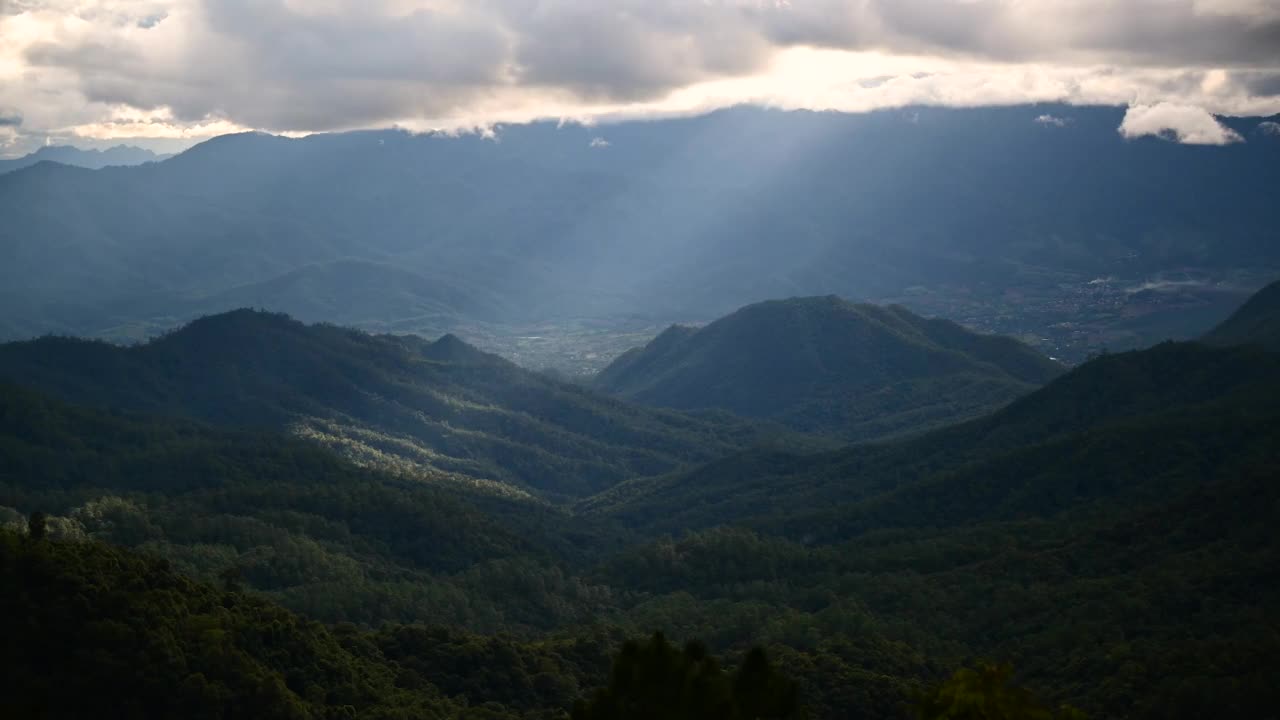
(987, 693)
(656, 680)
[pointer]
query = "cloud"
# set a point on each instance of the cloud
(10, 118)
(1184, 123)
(599, 142)
(1269, 127)
(149, 21)
(1052, 121)
(295, 65)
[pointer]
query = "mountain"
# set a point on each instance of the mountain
(1123, 511)
(354, 292)
(677, 218)
(269, 517)
(397, 402)
(289, 519)
(92, 159)
(1257, 322)
(1127, 401)
(1111, 534)
(827, 365)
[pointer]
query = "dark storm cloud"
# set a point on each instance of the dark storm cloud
(1263, 83)
(629, 50)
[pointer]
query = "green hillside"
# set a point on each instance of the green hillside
(827, 365)
(1116, 411)
(1256, 323)
(262, 516)
(96, 631)
(294, 521)
(396, 402)
(1109, 534)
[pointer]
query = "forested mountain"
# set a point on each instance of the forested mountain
(827, 365)
(160, 645)
(1116, 409)
(254, 511)
(286, 518)
(119, 155)
(1080, 533)
(1110, 534)
(93, 631)
(397, 402)
(1256, 323)
(685, 217)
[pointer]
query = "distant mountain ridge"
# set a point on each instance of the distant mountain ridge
(676, 218)
(398, 402)
(828, 365)
(120, 155)
(1257, 322)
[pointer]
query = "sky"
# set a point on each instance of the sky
(166, 73)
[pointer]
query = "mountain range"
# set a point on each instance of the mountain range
(670, 219)
(93, 159)
(827, 365)
(439, 408)
(1096, 519)
(1110, 533)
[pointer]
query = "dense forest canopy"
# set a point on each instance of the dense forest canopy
(1108, 534)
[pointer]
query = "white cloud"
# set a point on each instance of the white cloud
(1269, 127)
(74, 67)
(599, 142)
(1053, 121)
(1185, 123)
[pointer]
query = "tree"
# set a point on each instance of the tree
(655, 680)
(987, 693)
(38, 526)
(232, 578)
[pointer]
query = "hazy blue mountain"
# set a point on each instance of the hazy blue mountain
(359, 293)
(824, 364)
(687, 217)
(396, 402)
(1257, 322)
(92, 159)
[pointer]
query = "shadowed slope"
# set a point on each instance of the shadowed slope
(828, 365)
(397, 400)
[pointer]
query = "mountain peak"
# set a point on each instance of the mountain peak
(1257, 322)
(823, 363)
(92, 159)
(234, 319)
(453, 349)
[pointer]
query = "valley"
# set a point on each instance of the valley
(1067, 316)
